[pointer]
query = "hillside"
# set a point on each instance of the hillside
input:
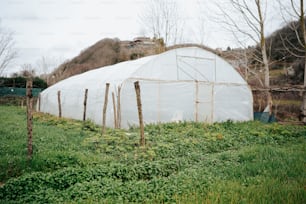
(285, 53)
(106, 52)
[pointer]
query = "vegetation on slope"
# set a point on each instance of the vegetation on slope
(182, 162)
(286, 50)
(284, 44)
(283, 47)
(104, 52)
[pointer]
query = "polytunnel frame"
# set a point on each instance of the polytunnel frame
(196, 112)
(193, 109)
(196, 82)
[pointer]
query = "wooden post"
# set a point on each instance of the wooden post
(59, 104)
(30, 118)
(119, 108)
(85, 104)
(115, 111)
(104, 108)
(139, 106)
(197, 102)
(39, 102)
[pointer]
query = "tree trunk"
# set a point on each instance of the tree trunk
(264, 56)
(303, 111)
(267, 79)
(302, 20)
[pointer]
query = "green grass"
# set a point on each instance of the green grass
(277, 73)
(288, 102)
(183, 162)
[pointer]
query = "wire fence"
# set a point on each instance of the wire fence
(13, 91)
(16, 96)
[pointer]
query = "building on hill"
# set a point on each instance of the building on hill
(140, 41)
(144, 41)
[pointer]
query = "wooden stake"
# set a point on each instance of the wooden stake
(30, 118)
(197, 102)
(85, 104)
(119, 108)
(39, 102)
(115, 111)
(104, 108)
(139, 106)
(59, 104)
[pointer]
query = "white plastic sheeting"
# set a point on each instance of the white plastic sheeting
(185, 84)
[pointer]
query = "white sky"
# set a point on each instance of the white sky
(62, 28)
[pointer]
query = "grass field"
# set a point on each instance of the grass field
(183, 162)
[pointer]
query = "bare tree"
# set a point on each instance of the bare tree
(240, 59)
(295, 20)
(46, 65)
(297, 12)
(27, 71)
(302, 22)
(7, 50)
(246, 21)
(161, 19)
(200, 31)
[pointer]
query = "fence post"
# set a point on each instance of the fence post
(30, 117)
(59, 104)
(139, 106)
(104, 108)
(39, 102)
(115, 110)
(197, 101)
(119, 108)
(85, 104)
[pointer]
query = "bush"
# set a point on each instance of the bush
(20, 82)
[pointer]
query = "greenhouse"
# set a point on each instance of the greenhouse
(184, 84)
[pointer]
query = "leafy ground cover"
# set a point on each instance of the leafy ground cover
(183, 162)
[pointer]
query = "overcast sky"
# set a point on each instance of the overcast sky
(60, 29)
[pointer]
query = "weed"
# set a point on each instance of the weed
(184, 162)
